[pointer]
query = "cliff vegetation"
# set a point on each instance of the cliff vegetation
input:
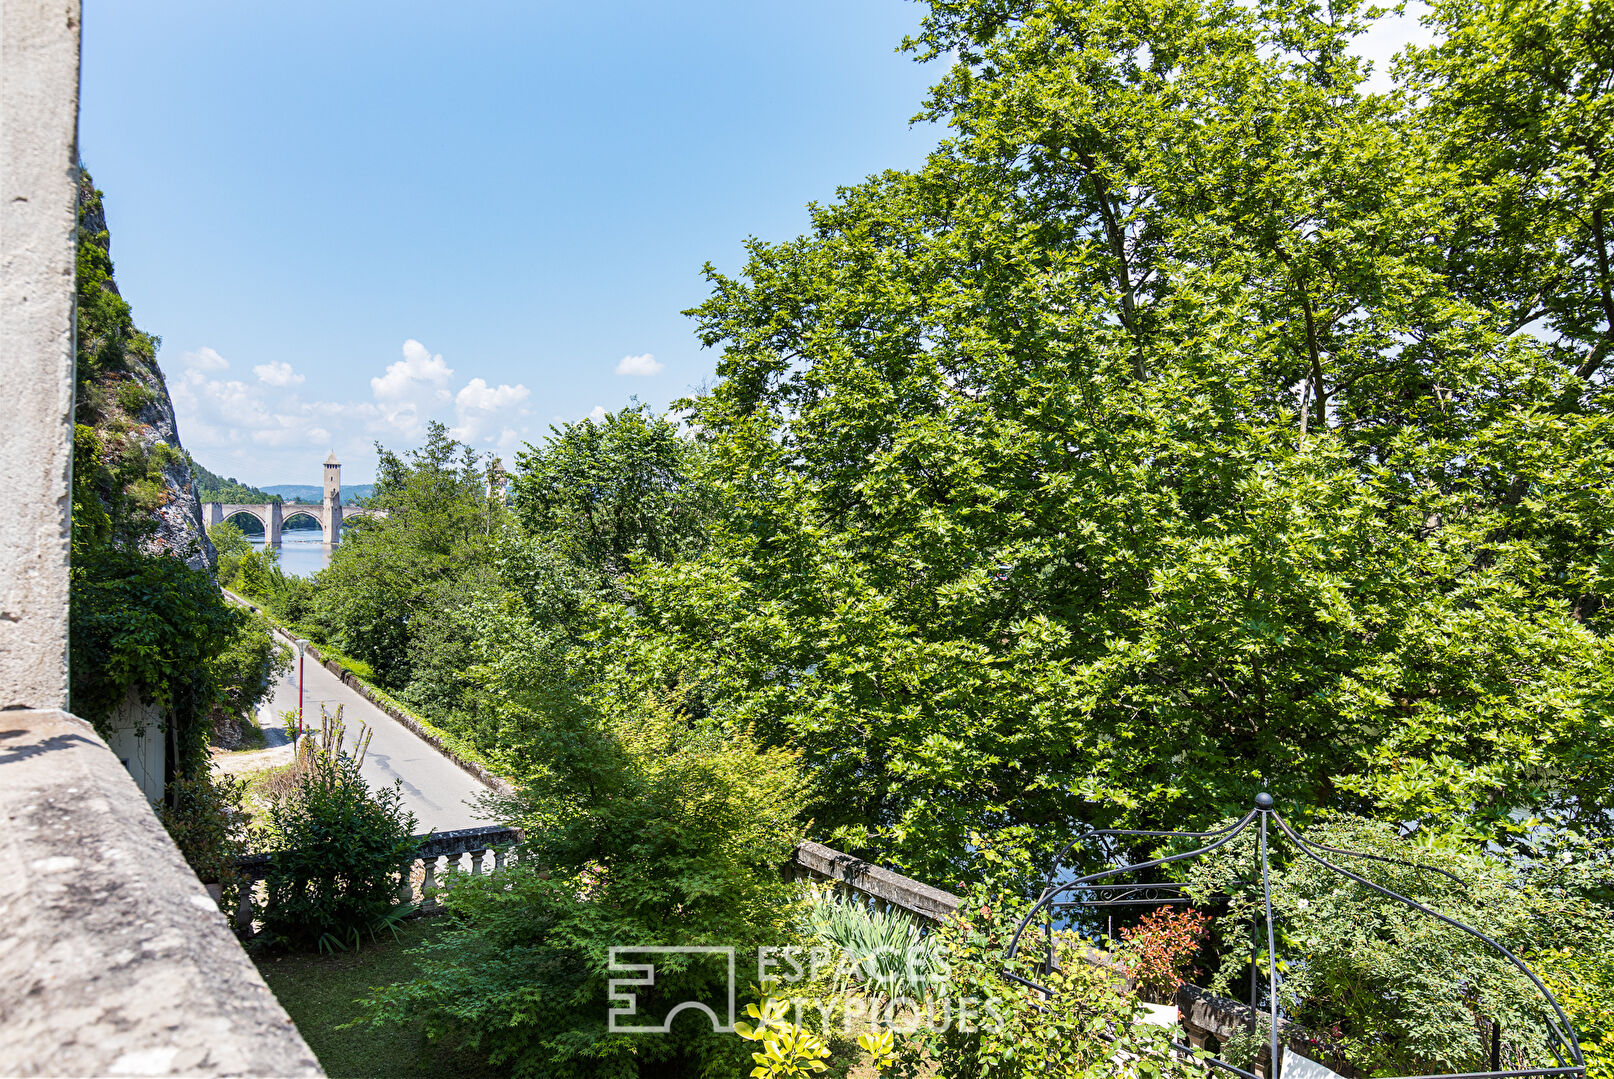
(148, 620)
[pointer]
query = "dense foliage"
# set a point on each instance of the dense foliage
(211, 487)
(1194, 421)
(1094, 1031)
(647, 832)
(1584, 985)
(608, 493)
(397, 588)
(207, 818)
(336, 847)
(1396, 991)
(1193, 416)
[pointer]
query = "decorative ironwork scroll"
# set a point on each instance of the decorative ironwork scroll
(1102, 889)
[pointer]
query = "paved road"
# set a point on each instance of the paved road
(435, 789)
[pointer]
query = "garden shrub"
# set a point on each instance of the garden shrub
(208, 822)
(1088, 1028)
(887, 950)
(655, 832)
(338, 848)
(1584, 986)
(1160, 949)
(1394, 988)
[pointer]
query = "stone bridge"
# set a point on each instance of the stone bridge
(330, 513)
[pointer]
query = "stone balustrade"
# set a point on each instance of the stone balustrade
(881, 888)
(424, 875)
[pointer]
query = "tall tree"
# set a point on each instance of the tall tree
(606, 491)
(397, 591)
(1167, 436)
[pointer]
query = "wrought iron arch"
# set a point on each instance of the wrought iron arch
(1105, 892)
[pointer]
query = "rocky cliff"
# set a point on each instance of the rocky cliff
(127, 433)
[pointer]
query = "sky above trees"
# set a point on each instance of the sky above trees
(347, 222)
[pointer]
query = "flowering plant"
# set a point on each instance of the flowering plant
(1160, 949)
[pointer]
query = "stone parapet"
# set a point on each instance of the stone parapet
(886, 889)
(116, 960)
(38, 186)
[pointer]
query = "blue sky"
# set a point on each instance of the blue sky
(346, 219)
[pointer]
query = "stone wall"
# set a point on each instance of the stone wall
(117, 961)
(38, 155)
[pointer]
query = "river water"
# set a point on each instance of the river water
(302, 550)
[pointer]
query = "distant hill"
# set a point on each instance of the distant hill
(210, 487)
(313, 492)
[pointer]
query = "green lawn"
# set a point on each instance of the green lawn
(318, 992)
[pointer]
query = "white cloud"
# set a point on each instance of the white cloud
(597, 414)
(639, 365)
(477, 394)
(480, 408)
(277, 374)
(413, 390)
(418, 368)
(508, 444)
(204, 359)
(267, 432)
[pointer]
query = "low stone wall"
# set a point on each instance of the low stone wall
(886, 889)
(116, 960)
(421, 881)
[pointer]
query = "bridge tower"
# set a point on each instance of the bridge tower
(333, 499)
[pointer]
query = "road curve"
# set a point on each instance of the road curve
(435, 789)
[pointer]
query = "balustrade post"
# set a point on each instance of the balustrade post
(498, 859)
(406, 887)
(476, 861)
(243, 909)
(428, 887)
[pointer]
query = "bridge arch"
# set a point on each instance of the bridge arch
(248, 511)
(311, 513)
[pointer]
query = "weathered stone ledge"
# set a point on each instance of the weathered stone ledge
(892, 890)
(116, 960)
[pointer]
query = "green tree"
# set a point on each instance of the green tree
(606, 492)
(395, 588)
(1152, 441)
(644, 828)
